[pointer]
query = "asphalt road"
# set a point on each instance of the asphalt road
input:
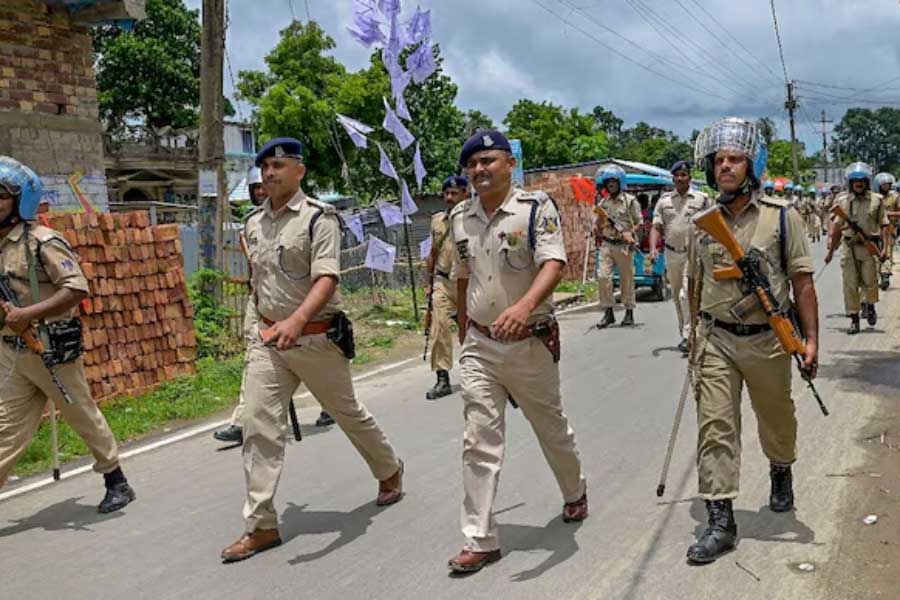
(620, 390)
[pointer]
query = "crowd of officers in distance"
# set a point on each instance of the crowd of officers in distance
(497, 255)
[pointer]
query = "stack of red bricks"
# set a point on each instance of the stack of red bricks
(577, 219)
(138, 321)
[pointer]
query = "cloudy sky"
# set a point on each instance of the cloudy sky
(673, 63)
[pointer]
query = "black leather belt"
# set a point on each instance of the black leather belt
(616, 242)
(442, 274)
(738, 329)
(15, 341)
(668, 247)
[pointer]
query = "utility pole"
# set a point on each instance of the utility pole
(791, 105)
(213, 186)
(825, 161)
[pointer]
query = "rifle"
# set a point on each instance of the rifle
(428, 310)
(747, 269)
(867, 241)
(604, 217)
(30, 336)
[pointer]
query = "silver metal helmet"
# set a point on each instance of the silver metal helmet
(859, 170)
(736, 134)
(884, 178)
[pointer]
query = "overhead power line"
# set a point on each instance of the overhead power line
(780, 47)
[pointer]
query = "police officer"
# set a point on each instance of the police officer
(884, 183)
(510, 255)
(806, 208)
(45, 276)
(672, 218)
(735, 344)
(294, 247)
(442, 289)
(617, 238)
(769, 188)
(858, 266)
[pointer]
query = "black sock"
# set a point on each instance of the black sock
(115, 477)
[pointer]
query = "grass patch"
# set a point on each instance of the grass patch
(589, 289)
(215, 387)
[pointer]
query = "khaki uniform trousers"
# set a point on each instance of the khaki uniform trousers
(491, 371)
(443, 307)
(24, 390)
(726, 363)
(887, 267)
(237, 415)
(676, 274)
(860, 276)
(272, 378)
(616, 255)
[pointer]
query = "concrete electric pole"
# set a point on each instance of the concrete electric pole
(825, 122)
(212, 197)
(791, 105)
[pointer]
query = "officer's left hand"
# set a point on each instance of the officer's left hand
(811, 359)
(17, 319)
(628, 237)
(512, 324)
(286, 333)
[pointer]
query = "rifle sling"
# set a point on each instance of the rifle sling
(35, 290)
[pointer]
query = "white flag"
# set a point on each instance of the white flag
(380, 255)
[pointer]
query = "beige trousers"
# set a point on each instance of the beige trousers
(23, 396)
(676, 273)
(272, 378)
(887, 267)
(491, 371)
(615, 255)
(726, 363)
(860, 275)
(443, 307)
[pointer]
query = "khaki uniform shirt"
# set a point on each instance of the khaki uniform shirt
(806, 206)
(442, 246)
(758, 226)
(892, 204)
(869, 213)
(57, 266)
(495, 256)
(285, 262)
(673, 214)
(625, 210)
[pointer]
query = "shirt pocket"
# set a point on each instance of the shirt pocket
(292, 256)
(515, 251)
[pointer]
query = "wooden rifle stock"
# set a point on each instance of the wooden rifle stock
(712, 222)
(870, 246)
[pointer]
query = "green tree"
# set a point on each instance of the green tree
(554, 136)
(151, 74)
(305, 87)
(781, 164)
(768, 129)
(476, 121)
(872, 136)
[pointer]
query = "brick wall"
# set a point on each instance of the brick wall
(48, 102)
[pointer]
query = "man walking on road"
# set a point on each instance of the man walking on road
(884, 183)
(510, 255)
(735, 343)
(617, 235)
(294, 247)
(858, 266)
(672, 219)
(442, 288)
(45, 274)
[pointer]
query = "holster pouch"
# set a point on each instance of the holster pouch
(65, 341)
(341, 333)
(745, 307)
(548, 332)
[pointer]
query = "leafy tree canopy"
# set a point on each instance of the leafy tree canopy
(872, 136)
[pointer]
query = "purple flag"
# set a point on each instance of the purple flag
(355, 130)
(390, 214)
(399, 82)
(380, 255)
(389, 7)
(396, 127)
(367, 26)
(418, 27)
(419, 167)
(402, 111)
(421, 63)
(425, 248)
(391, 51)
(407, 204)
(355, 225)
(386, 165)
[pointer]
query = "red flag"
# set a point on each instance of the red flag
(584, 189)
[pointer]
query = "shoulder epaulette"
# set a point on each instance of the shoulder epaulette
(46, 234)
(255, 210)
(461, 207)
(774, 201)
(538, 196)
(325, 207)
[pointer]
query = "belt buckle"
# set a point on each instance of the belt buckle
(742, 329)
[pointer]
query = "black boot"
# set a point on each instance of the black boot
(441, 388)
(854, 325)
(118, 493)
(782, 496)
(628, 321)
(324, 420)
(608, 319)
(720, 537)
(871, 315)
(685, 348)
(233, 434)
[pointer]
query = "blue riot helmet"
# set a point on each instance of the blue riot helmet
(811, 190)
(608, 172)
(769, 185)
(737, 135)
(24, 184)
(857, 171)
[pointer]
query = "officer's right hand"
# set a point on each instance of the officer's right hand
(654, 254)
(284, 334)
(829, 256)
